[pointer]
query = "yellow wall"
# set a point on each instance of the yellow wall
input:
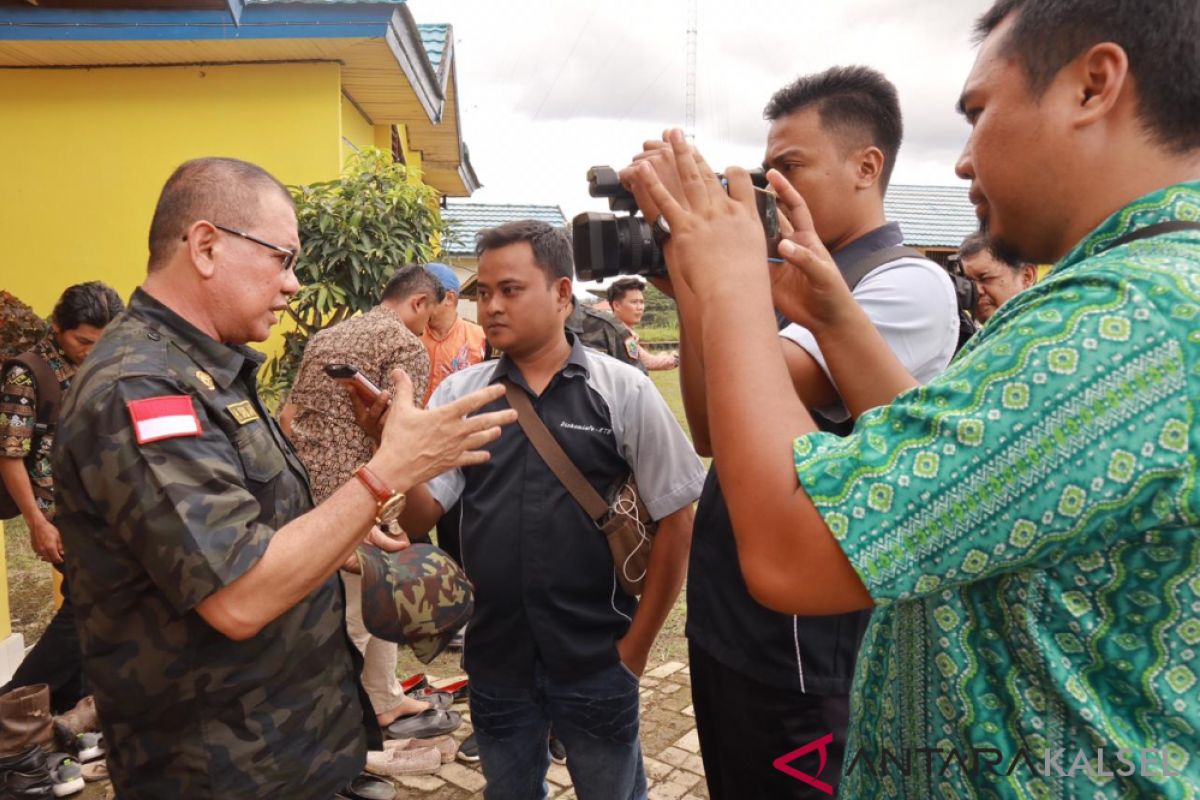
(84, 154)
(357, 130)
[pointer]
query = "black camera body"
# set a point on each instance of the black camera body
(610, 244)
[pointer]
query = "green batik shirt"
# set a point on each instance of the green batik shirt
(1027, 525)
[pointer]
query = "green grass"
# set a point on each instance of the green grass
(30, 583)
(665, 334)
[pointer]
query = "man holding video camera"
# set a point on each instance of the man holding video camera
(1024, 525)
(766, 683)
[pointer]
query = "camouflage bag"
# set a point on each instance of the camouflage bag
(418, 596)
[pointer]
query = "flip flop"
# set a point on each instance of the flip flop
(435, 698)
(368, 787)
(431, 722)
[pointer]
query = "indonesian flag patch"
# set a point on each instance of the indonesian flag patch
(167, 417)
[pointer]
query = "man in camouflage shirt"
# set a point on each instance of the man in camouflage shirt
(78, 320)
(604, 332)
(211, 616)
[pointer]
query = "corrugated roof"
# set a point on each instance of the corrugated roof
(931, 216)
(433, 39)
(471, 218)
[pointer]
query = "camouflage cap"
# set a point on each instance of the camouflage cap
(418, 596)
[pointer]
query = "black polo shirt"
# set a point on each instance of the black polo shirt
(811, 654)
(545, 587)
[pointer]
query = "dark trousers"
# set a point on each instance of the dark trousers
(55, 660)
(745, 725)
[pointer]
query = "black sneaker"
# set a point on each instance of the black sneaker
(468, 751)
(558, 753)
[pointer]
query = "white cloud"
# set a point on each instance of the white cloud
(547, 89)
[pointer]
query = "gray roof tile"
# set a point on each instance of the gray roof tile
(471, 218)
(931, 216)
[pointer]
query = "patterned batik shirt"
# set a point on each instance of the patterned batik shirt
(1027, 525)
(18, 415)
(330, 444)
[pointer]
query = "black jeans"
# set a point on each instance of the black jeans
(55, 660)
(745, 725)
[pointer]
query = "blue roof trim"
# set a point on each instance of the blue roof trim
(257, 22)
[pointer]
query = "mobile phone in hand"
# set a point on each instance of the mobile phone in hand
(353, 377)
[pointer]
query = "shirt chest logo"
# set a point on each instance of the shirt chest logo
(242, 412)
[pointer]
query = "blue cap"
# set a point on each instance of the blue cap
(445, 275)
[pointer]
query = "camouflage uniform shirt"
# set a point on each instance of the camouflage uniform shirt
(18, 415)
(606, 333)
(155, 528)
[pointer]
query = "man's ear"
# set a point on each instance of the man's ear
(1100, 77)
(869, 167)
(1029, 275)
(202, 245)
(563, 291)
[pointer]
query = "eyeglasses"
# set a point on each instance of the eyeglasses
(289, 255)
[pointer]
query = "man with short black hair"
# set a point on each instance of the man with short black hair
(76, 324)
(554, 638)
(766, 683)
(996, 279)
(627, 299)
(319, 419)
(1024, 525)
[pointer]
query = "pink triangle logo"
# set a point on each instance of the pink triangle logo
(783, 766)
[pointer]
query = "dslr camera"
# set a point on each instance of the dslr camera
(610, 244)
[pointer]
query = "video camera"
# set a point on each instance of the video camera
(607, 245)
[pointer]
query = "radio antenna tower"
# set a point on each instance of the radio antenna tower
(689, 108)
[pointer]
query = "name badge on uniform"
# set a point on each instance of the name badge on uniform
(242, 412)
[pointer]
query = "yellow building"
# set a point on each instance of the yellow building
(98, 105)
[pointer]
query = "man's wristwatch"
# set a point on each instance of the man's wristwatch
(391, 503)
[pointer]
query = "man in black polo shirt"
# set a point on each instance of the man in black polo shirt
(554, 639)
(763, 683)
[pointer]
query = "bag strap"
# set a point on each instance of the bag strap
(552, 453)
(854, 273)
(45, 382)
(1157, 230)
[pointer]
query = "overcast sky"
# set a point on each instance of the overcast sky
(547, 89)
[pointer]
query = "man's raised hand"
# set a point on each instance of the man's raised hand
(418, 444)
(807, 287)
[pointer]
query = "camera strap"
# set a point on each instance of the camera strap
(854, 273)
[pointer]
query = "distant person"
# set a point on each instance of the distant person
(627, 298)
(319, 419)
(602, 331)
(78, 319)
(453, 343)
(996, 279)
